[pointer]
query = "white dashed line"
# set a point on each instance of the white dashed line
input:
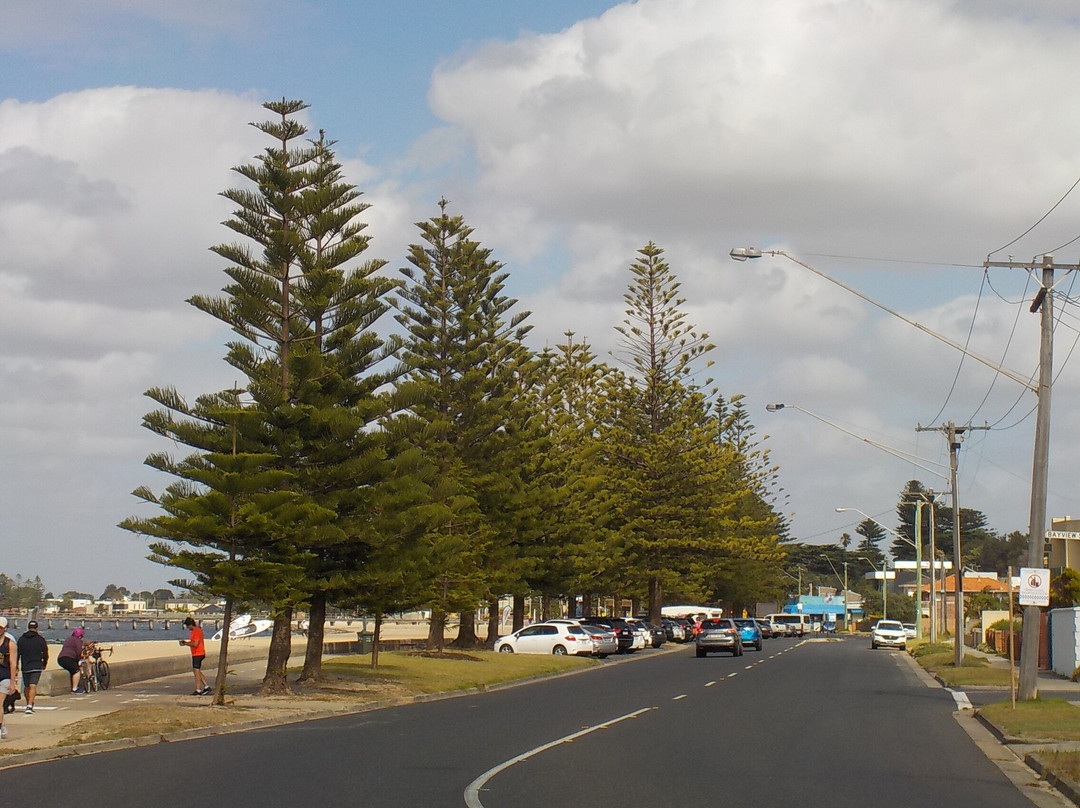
(683, 696)
(732, 674)
(709, 684)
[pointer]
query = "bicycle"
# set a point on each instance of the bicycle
(95, 670)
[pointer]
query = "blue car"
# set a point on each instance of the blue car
(749, 631)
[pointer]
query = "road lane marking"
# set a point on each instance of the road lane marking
(732, 674)
(748, 667)
(683, 696)
(709, 684)
(472, 792)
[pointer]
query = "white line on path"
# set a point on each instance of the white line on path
(961, 699)
(472, 792)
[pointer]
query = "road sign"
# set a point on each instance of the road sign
(1034, 586)
(1061, 534)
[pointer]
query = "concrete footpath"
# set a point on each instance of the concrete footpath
(147, 672)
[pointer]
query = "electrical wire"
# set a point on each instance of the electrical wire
(1040, 220)
(1008, 344)
(893, 260)
(963, 356)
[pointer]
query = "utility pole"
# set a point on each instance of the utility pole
(1044, 301)
(954, 435)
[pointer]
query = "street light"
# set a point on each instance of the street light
(918, 564)
(847, 626)
(884, 581)
(902, 455)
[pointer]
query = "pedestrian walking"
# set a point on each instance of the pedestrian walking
(68, 658)
(197, 644)
(9, 669)
(33, 657)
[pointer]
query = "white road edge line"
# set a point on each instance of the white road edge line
(472, 792)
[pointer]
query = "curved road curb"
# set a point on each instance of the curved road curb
(97, 747)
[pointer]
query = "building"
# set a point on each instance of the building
(827, 607)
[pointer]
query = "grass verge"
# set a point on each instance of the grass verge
(347, 680)
(974, 671)
(1038, 719)
(1063, 764)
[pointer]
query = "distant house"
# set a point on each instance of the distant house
(827, 607)
(180, 605)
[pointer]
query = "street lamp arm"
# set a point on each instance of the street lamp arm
(742, 253)
(883, 527)
(905, 456)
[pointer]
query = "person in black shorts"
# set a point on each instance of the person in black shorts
(33, 657)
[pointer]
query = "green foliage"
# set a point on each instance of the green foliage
(1065, 589)
(21, 593)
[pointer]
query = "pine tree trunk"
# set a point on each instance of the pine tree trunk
(519, 612)
(223, 658)
(436, 631)
(466, 636)
(375, 641)
(275, 682)
(656, 600)
(316, 633)
(545, 607)
(494, 622)
(586, 606)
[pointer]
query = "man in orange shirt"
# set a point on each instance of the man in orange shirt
(198, 654)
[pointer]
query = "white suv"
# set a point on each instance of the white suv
(888, 633)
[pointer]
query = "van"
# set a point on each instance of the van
(790, 625)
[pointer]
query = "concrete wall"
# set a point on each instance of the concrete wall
(1065, 640)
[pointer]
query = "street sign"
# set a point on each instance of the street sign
(1061, 534)
(1034, 586)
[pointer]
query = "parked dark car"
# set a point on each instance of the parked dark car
(718, 634)
(688, 627)
(659, 636)
(673, 630)
(764, 628)
(624, 633)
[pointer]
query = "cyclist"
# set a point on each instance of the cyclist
(69, 657)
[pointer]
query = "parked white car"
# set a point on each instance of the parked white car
(888, 633)
(547, 638)
(604, 641)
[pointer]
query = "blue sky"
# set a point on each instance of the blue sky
(890, 144)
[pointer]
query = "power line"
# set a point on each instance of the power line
(1039, 221)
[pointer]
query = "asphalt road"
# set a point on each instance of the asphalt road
(799, 724)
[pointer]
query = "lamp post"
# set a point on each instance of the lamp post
(884, 581)
(844, 583)
(918, 560)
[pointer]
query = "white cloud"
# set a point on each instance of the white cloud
(883, 129)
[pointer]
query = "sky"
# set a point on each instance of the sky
(893, 145)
